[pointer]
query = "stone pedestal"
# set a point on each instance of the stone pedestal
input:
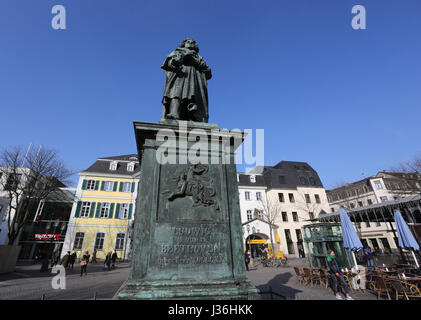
(187, 233)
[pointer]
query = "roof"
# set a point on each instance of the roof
(293, 174)
(380, 212)
(102, 165)
(244, 180)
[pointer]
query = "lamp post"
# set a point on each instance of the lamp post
(248, 235)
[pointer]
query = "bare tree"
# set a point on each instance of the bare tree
(27, 178)
(271, 210)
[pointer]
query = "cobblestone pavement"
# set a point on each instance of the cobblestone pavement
(28, 283)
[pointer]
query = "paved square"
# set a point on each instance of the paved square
(28, 283)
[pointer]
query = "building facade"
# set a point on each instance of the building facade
(103, 214)
(256, 228)
(294, 195)
(384, 187)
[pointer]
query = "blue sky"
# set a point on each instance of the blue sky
(345, 101)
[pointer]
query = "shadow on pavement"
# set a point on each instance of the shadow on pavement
(278, 287)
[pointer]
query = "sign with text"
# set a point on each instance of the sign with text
(46, 237)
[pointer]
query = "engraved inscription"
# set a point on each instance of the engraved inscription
(202, 244)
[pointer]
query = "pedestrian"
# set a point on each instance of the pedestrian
(301, 254)
(369, 257)
(113, 259)
(72, 259)
(107, 262)
(54, 258)
(336, 275)
(65, 261)
(44, 261)
(94, 256)
(247, 259)
(84, 263)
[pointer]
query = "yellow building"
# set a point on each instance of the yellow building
(103, 213)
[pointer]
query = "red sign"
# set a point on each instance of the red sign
(46, 236)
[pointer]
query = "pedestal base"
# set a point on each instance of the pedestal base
(186, 290)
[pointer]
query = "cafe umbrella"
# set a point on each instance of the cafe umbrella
(351, 240)
(405, 238)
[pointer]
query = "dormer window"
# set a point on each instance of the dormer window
(253, 178)
(113, 165)
(130, 166)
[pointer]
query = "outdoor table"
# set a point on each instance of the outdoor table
(412, 283)
(348, 277)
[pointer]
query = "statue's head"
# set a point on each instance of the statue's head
(190, 44)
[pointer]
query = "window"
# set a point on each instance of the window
(108, 185)
(90, 185)
(307, 198)
(247, 195)
(78, 244)
(105, 210)
(124, 211)
(99, 241)
(316, 196)
(281, 179)
(303, 181)
(284, 217)
(311, 215)
(417, 185)
(86, 208)
(258, 196)
(249, 215)
(295, 216)
(125, 186)
(299, 235)
(130, 166)
(113, 165)
(367, 224)
(119, 241)
(369, 201)
(291, 197)
(360, 203)
(253, 178)
(259, 214)
(312, 181)
(281, 197)
(352, 205)
(290, 244)
(378, 184)
(383, 199)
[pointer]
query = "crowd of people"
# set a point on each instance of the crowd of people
(69, 259)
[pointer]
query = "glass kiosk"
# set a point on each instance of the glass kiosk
(319, 238)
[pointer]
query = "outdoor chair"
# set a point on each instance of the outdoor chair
(381, 286)
(309, 276)
(299, 275)
(324, 276)
(317, 275)
(399, 288)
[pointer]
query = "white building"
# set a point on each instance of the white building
(294, 194)
(382, 188)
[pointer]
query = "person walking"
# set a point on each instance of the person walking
(336, 275)
(107, 262)
(247, 259)
(94, 256)
(72, 260)
(113, 259)
(84, 264)
(65, 260)
(302, 255)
